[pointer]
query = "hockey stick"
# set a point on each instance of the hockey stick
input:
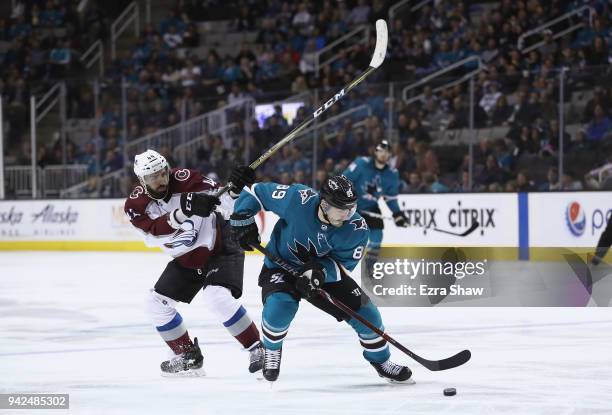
(380, 51)
(433, 365)
(471, 229)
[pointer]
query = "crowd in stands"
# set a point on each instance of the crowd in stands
(169, 78)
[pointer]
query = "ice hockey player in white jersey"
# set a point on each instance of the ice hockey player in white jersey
(175, 210)
(323, 237)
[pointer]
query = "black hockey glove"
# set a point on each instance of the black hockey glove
(198, 204)
(400, 219)
(311, 279)
(239, 177)
(244, 231)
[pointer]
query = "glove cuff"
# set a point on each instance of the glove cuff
(241, 220)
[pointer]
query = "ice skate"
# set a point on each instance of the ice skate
(271, 368)
(393, 373)
(187, 364)
(256, 358)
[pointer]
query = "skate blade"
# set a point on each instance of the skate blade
(193, 373)
(408, 381)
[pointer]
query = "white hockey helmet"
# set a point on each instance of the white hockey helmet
(149, 165)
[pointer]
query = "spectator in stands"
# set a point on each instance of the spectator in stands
(552, 180)
(502, 112)
(359, 14)
(489, 99)
(599, 127)
(523, 183)
(172, 38)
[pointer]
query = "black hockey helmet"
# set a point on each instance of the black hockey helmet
(383, 145)
(339, 192)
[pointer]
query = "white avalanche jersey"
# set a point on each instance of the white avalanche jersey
(196, 239)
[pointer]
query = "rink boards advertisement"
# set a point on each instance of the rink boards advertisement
(568, 219)
(67, 224)
(513, 222)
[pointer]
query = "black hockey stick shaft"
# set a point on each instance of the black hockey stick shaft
(468, 231)
(433, 365)
(377, 60)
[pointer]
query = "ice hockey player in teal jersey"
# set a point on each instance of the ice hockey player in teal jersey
(323, 237)
(374, 178)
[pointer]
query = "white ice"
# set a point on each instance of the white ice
(74, 323)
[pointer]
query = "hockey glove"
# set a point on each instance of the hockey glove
(311, 279)
(239, 177)
(400, 219)
(198, 204)
(244, 231)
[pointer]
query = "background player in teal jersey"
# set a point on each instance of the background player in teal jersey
(323, 237)
(374, 178)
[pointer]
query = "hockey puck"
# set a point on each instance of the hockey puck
(450, 392)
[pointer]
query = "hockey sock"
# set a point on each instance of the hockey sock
(232, 315)
(278, 312)
(175, 334)
(375, 348)
(167, 321)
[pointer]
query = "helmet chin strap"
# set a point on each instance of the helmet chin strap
(325, 217)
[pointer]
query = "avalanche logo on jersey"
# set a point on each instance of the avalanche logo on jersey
(359, 223)
(302, 253)
(182, 237)
(306, 195)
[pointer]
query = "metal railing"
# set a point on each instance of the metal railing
(51, 178)
(545, 26)
(98, 186)
(131, 15)
(38, 110)
(19, 180)
(362, 33)
(227, 122)
(395, 9)
(439, 73)
(93, 54)
(191, 147)
(213, 123)
(56, 178)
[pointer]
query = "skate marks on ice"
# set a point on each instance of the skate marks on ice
(525, 360)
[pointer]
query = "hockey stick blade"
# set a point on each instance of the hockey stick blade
(445, 364)
(380, 51)
(471, 229)
(433, 365)
(382, 38)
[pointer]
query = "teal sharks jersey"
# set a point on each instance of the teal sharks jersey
(299, 236)
(372, 183)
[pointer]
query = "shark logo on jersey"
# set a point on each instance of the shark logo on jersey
(372, 188)
(322, 239)
(359, 223)
(306, 195)
(302, 253)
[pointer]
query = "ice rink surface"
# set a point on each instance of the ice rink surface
(74, 323)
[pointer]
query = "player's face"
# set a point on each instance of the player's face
(382, 156)
(158, 181)
(337, 216)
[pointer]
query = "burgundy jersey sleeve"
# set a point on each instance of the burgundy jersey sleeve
(136, 209)
(187, 180)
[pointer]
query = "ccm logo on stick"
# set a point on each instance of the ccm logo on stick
(329, 103)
